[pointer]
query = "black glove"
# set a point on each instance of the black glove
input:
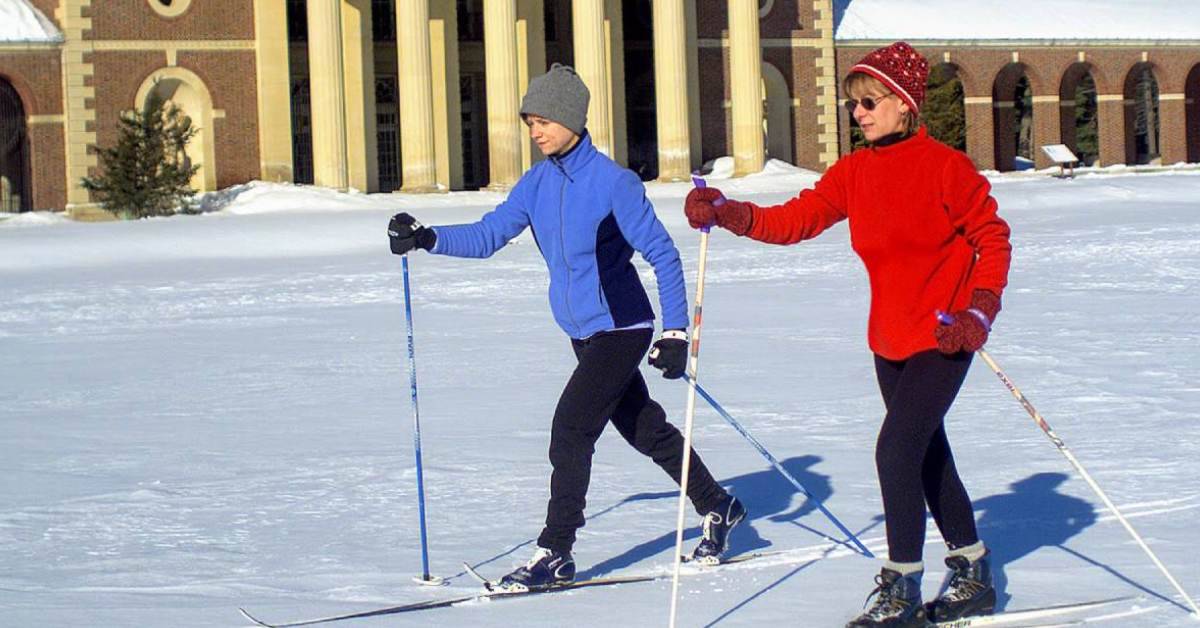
(670, 353)
(407, 234)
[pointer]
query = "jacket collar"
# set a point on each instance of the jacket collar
(577, 157)
(898, 141)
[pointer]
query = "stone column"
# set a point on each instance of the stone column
(1047, 128)
(358, 64)
(1110, 121)
(504, 125)
(327, 80)
(745, 71)
(671, 90)
(981, 133)
(447, 95)
(274, 90)
(1172, 128)
(418, 159)
(591, 62)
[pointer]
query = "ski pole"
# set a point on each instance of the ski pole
(782, 471)
(424, 578)
(694, 364)
(946, 319)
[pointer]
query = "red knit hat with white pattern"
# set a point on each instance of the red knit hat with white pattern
(901, 69)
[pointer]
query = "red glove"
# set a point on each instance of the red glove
(969, 328)
(703, 209)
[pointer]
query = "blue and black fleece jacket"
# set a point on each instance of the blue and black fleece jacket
(588, 216)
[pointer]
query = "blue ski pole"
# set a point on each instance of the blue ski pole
(779, 467)
(425, 578)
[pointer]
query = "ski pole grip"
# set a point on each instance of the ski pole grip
(699, 183)
(943, 317)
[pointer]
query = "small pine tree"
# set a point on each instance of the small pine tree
(147, 172)
(943, 112)
(1087, 137)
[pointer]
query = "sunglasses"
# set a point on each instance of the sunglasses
(868, 103)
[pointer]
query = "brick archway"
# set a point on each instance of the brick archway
(14, 151)
(1142, 127)
(1006, 123)
(1078, 111)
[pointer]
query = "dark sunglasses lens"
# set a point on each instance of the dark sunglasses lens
(867, 103)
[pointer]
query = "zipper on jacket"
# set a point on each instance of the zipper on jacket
(562, 245)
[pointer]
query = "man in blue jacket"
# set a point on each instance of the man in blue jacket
(588, 216)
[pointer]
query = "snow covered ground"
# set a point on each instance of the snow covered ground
(205, 412)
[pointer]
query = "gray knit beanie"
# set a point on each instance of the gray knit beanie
(558, 95)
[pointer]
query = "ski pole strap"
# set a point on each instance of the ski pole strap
(978, 313)
(948, 319)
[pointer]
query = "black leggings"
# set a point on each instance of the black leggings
(607, 385)
(913, 455)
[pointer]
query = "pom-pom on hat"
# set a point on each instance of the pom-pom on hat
(901, 69)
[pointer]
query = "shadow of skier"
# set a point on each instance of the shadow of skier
(766, 495)
(1034, 515)
(1031, 516)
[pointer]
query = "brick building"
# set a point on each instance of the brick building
(421, 95)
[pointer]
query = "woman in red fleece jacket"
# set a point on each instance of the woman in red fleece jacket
(925, 226)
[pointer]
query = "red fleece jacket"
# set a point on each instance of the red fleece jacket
(924, 224)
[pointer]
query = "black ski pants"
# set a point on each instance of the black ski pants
(607, 386)
(912, 454)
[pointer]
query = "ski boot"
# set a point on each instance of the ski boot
(717, 525)
(897, 603)
(970, 591)
(547, 569)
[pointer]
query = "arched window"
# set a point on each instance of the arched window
(187, 91)
(14, 151)
(777, 115)
(170, 8)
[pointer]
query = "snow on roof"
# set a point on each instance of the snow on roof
(21, 22)
(1017, 19)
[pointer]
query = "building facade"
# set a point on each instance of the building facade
(422, 95)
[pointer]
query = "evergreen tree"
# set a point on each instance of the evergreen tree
(147, 172)
(1023, 107)
(1087, 135)
(943, 113)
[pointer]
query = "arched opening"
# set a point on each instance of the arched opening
(1191, 95)
(186, 91)
(1141, 116)
(1078, 123)
(944, 112)
(14, 151)
(777, 115)
(1012, 115)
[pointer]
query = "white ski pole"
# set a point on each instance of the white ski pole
(946, 319)
(694, 368)
(1058, 442)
